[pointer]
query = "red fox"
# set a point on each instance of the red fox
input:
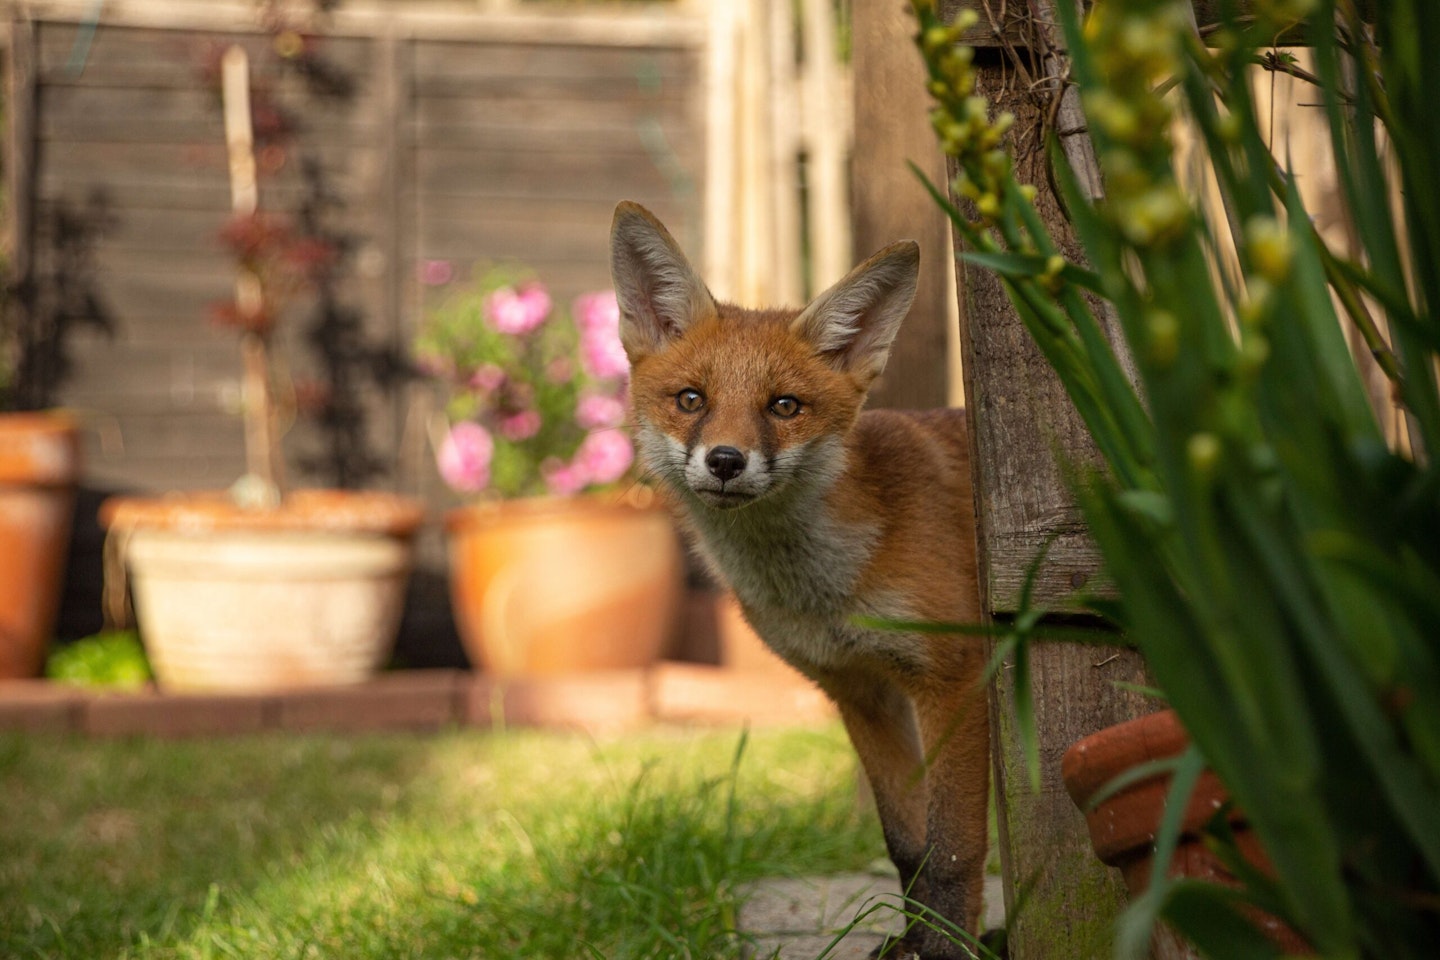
(814, 513)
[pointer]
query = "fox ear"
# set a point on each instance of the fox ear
(855, 321)
(659, 293)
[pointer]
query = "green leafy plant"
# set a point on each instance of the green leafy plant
(534, 397)
(111, 659)
(1277, 560)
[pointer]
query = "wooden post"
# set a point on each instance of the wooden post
(888, 203)
(826, 138)
(1023, 429)
(20, 210)
(263, 459)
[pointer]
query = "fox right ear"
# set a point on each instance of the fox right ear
(659, 293)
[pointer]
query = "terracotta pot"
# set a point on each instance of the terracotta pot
(549, 586)
(1123, 826)
(227, 599)
(39, 469)
(740, 646)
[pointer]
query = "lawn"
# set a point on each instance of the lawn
(514, 844)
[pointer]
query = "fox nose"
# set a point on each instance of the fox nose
(725, 463)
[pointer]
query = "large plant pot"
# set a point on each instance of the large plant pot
(39, 469)
(227, 599)
(1123, 826)
(552, 586)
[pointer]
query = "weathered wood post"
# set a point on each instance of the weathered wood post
(887, 203)
(1023, 429)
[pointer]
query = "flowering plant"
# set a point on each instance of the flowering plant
(1268, 520)
(535, 397)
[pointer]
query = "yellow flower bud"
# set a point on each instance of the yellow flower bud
(1229, 127)
(966, 187)
(1259, 297)
(1113, 115)
(1164, 332)
(1254, 351)
(935, 38)
(1203, 450)
(988, 205)
(1269, 247)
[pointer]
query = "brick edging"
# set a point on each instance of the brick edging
(426, 700)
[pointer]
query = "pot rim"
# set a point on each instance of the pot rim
(210, 511)
(490, 512)
(39, 448)
(1092, 762)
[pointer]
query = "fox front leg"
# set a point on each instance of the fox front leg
(881, 722)
(954, 722)
(926, 755)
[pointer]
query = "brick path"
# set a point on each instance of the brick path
(427, 700)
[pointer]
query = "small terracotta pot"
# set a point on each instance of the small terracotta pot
(550, 586)
(1123, 826)
(228, 599)
(39, 469)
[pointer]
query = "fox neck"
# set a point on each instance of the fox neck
(789, 550)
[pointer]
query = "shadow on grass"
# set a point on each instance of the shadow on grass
(478, 845)
(105, 843)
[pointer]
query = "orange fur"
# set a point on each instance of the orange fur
(814, 513)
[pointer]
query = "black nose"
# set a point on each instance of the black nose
(725, 463)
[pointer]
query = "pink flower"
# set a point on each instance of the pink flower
(560, 370)
(597, 310)
(464, 457)
(518, 311)
(598, 316)
(520, 426)
(603, 354)
(604, 456)
(597, 411)
(436, 273)
(563, 479)
(487, 379)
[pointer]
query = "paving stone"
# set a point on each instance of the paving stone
(157, 714)
(401, 700)
(795, 918)
(693, 693)
(798, 918)
(609, 701)
(39, 706)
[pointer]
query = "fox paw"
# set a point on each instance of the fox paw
(895, 948)
(903, 948)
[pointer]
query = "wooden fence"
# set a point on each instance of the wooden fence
(431, 137)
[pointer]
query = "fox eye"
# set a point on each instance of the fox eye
(690, 400)
(785, 407)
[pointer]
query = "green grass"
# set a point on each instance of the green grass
(460, 845)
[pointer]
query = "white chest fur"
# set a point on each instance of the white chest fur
(796, 572)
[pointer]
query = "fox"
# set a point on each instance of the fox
(822, 519)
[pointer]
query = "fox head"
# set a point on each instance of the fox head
(733, 406)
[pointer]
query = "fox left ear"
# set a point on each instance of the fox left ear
(855, 321)
(659, 293)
